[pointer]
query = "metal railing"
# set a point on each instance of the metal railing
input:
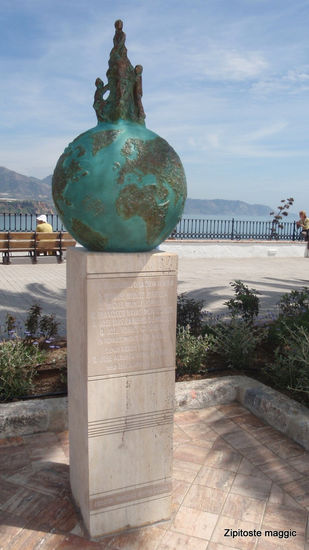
(187, 228)
(197, 228)
(27, 222)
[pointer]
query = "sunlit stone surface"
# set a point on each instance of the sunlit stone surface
(121, 349)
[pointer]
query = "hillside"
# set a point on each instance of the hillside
(48, 180)
(217, 207)
(17, 186)
(26, 207)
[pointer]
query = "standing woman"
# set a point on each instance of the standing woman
(303, 222)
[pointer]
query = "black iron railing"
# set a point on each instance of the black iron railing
(197, 228)
(27, 222)
(187, 228)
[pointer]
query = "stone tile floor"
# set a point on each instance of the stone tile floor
(231, 471)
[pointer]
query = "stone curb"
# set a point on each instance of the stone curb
(279, 411)
(33, 416)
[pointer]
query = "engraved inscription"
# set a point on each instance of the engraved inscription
(132, 323)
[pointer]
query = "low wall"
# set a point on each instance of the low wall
(235, 249)
(277, 410)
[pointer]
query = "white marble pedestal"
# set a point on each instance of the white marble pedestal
(121, 324)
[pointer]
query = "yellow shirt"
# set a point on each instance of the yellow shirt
(305, 223)
(44, 227)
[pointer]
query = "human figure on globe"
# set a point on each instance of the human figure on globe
(119, 38)
(138, 92)
(99, 102)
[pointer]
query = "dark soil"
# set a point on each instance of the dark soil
(51, 376)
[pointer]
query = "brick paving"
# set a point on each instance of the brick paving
(230, 471)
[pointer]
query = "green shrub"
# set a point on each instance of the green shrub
(19, 355)
(40, 326)
(290, 367)
(32, 320)
(190, 352)
(245, 303)
(17, 367)
(48, 326)
(236, 342)
(282, 326)
(189, 313)
(10, 324)
(293, 314)
(295, 302)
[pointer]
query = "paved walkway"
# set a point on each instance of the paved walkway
(23, 284)
(231, 472)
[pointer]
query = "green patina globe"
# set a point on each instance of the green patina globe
(119, 187)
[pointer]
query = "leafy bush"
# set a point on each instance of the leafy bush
(32, 320)
(293, 314)
(10, 324)
(40, 326)
(290, 368)
(21, 351)
(189, 313)
(295, 302)
(48, 326)
(236, 342)
(245, 304)
(17, 367)
(190, 352)
(284, 324)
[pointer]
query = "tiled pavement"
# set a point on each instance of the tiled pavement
(231, 471)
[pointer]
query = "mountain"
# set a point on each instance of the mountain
(223, 207)
(48, 179)
(25, 188)
(17, 186)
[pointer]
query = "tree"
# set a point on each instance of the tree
(278, 216)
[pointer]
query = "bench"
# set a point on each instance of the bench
(34, 244)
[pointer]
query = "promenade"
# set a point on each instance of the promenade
(207, 279)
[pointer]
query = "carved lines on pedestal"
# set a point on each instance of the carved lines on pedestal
(133, 274)
(98, 428)
(130, 495)
(95, 378)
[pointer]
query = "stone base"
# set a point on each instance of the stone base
(121, 313)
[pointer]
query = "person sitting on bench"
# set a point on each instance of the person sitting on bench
(42, 225)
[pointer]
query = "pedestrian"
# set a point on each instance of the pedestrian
(42, 225)
(303, 222)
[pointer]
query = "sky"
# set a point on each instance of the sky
(225, 82)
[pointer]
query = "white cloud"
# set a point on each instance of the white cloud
(294, 81)
(221, 64)
(265, 131)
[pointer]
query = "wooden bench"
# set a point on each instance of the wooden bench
(34, 244)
